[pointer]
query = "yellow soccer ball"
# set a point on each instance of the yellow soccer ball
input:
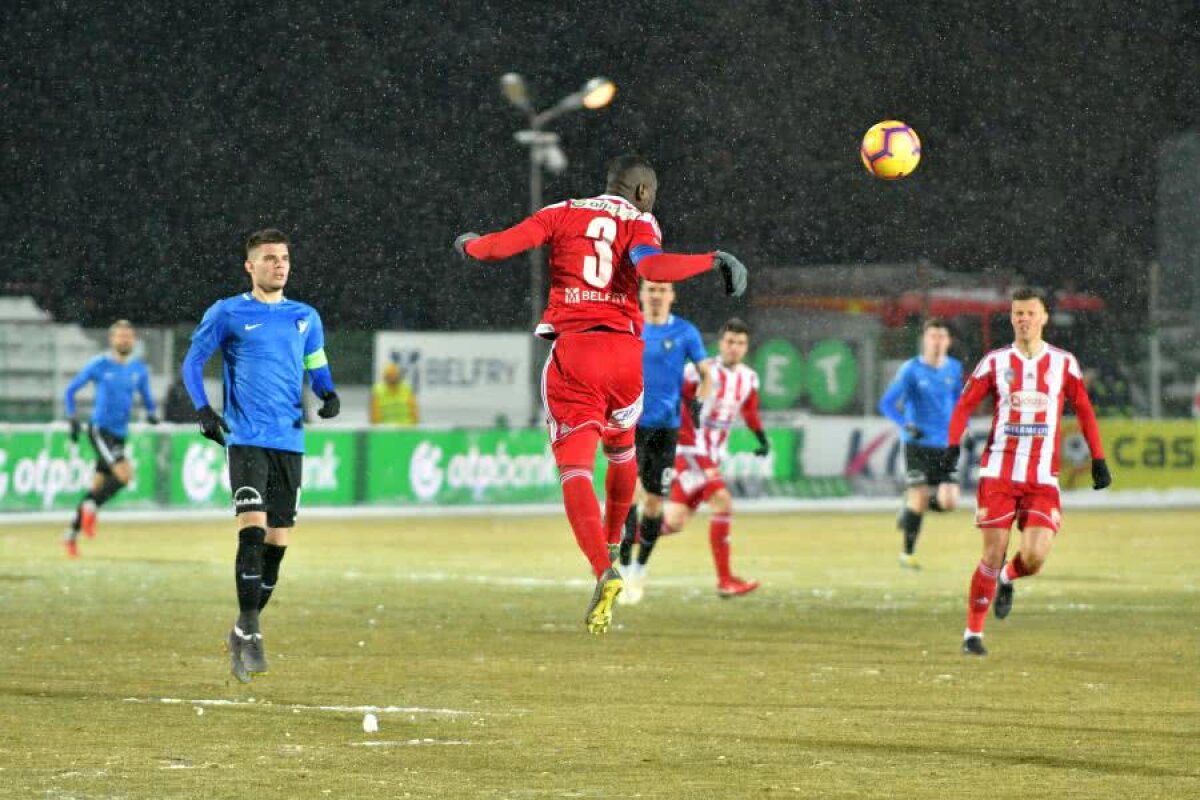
(890, 150)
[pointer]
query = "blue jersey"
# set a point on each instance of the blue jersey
(668, 349)
(923, 395)
(266, 348)
(116, 382)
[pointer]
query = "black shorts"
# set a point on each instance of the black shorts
(109, 448)
(656, 458)
(923, 466)
(264, 479)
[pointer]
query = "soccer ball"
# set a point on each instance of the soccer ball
(890, 150)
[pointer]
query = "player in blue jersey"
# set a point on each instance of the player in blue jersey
(268, 343)
(670, 343)
(920, 401)
(118, 376)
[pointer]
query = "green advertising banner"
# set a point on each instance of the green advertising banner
(458, 467)
(41, 469)
(44, 470)
(199, 477)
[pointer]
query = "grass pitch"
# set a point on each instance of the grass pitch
(840, 678)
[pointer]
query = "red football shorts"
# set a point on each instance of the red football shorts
(693, 485)
(593, 379)
(1000, 502)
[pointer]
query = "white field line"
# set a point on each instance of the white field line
(297, 708)
(410, 743)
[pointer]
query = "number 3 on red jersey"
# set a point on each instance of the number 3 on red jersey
(598, 269)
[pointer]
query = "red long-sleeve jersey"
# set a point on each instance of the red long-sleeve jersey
(734, 392)
(1029, 395)
(593, 280)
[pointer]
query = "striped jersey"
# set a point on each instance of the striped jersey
(1028, 396)
(734, 393)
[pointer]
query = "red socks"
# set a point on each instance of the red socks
(1016, 569)
(619, 486)
(983, 589)
(583, 512)
(718, 537)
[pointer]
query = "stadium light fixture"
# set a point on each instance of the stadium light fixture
(513, 87)
(598, 92)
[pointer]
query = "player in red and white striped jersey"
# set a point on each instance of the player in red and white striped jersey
(702, 444)
(1029, 382)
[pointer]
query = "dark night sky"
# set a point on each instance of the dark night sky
(140, 146)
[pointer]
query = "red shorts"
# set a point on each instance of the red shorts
(692, 484)
(593, 379)
(1032, 505)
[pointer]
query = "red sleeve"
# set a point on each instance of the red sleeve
(750, 412)
(972, 395)
(533, 232)
(688, 391)
(1077, 394)
(670, 267)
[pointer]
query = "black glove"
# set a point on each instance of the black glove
(76, 427)
(1101, 477)
(460, 244)
(694, 407)
(950, 459)
(914, 433)
(733, 271)
(764, 444)
(331, 406)
(211, 425)
(152, 419)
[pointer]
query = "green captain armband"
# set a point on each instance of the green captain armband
(316, 359)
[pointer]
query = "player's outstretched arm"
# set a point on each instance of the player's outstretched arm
(655, 265)
(533, 232)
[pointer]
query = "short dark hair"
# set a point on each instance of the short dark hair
(935, 322)
(622, 168)
(266, 236)
(1030, 293)
(734, 325)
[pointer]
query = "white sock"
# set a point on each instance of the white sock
(968, 633)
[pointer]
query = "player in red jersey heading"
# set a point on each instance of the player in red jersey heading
(703, 442)
(1029, 382)
(592, 381)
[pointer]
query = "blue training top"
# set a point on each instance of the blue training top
(668, 348)
(928, 395)
(116, 383)
(266, 347)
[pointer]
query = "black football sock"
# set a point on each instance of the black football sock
(78, 520)
(108, 489)
(651, 527)
(629, 536)
(248, 567)
(934, 505)
(910, 523)
(272, 555)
